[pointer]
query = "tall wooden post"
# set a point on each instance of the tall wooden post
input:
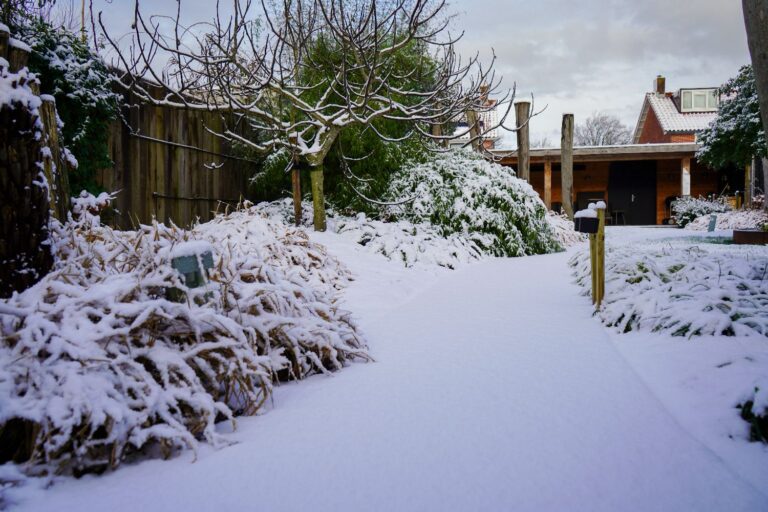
(749, 184)
(685, 177)
(566, 166)
(600, 242)
(523, 114)
(296, 186)
(296, 180)
(548, 184)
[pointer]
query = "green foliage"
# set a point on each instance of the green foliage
(85, 101)
(360, 165)
(461, 192)
(736, 135)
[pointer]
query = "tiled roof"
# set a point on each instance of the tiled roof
(672, 120)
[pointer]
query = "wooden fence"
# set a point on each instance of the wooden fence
(167, 165)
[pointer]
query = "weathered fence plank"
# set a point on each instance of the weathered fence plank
(162, 160)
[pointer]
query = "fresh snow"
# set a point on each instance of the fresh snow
(494, 388)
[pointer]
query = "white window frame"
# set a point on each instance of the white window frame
(708, 95)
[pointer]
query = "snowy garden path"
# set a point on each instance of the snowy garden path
(493, 389)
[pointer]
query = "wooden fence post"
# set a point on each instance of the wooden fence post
(523, 114)
(566, 164)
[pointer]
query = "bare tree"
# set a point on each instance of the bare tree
(601, 129)
(313, 68)
(542, 142)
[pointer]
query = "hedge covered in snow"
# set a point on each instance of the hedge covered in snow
(402, 241)
(460, 192)
(688, 209)
(683, 287)
(740, 219)
(111, 354)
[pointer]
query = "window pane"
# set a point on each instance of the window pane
(687, 101)
(712, 99)
(700, 100)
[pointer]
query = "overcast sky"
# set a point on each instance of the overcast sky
(579, 57)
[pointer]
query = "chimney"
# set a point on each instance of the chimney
(484, 93)
(659, 85)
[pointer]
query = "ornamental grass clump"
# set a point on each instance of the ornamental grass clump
(684, 289)
(461, 192)
(99, 361)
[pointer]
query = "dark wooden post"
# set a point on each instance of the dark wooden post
(566, 164)
(4, 37)
(523, 114)
(296, 182)
(296, 186)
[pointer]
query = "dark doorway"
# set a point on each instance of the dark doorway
(632, 192)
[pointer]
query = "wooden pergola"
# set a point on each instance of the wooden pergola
(684, 152)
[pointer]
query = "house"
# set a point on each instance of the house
(639, 181)
(668, 117)
(487, 125)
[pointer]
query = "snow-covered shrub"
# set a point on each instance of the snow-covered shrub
(683, 288)
(111, 353)
(566, 235)
(739, 219)
(687, 209)
(460, 192)
(402, 241)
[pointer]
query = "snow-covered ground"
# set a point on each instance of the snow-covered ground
(494, 388)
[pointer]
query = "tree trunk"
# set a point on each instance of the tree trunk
(24, 208)
(765, 183)
(318, 198)
(756, 22)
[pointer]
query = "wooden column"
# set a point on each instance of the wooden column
(566, 155)
(523, 114)
(749, 184)
(685, 177)
(548, 184)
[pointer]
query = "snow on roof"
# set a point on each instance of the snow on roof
(672, 120)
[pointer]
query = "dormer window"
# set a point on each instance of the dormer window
(698, 100)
